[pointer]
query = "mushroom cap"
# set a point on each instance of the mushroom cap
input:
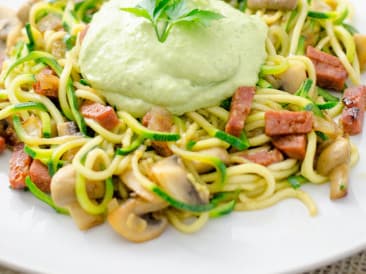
(10, 28)
(63, 187)
(337, 153)
(131, 220)
(130, 180)
(171, 175)
(82, 219)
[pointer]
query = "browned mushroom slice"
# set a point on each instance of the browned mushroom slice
(82, 219)
(134, 220)
(63, 187)
(49, 22)
(23, 12)
(334, 162)
(63, 195)
(67, 128)
(337, 153)
(293, 77)
(171, 175)
(10, 27)
(272, 4)
(130, 180)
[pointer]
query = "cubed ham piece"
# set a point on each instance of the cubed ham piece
(352, 117)
(104, 115)
(239, 110)
(330, 72)
(19, 164)
(352, 120)
(39, 175)
(264, 157)
(2, 144)
(159, 119)
(287, 122)
(294, 146)
(46, 83)
(355, 97)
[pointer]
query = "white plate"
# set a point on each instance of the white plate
(282, 238)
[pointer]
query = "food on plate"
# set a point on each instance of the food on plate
(145, 113)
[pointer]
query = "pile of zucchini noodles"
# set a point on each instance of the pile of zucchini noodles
(99, 154)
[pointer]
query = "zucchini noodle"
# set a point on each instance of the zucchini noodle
(125, 164)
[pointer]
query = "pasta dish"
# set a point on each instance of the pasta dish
(148, 113)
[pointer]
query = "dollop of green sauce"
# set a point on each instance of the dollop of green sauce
(197, 66)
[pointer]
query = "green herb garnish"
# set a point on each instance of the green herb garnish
(322, 135)
(297, 181)
(164, 14)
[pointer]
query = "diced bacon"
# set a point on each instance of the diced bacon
(264, 157)
(352, 118)
(287, 122)
(19, 167)
(355, 97)
(104, 115)
(2, 144)
(46, 83)
(159, 119)
(330, 71)
(294, 146)
(39, 175)
(239, 110)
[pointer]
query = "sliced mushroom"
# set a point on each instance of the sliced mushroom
(339, 181)
(50, 22)
(63, 187)
(360, 41)
(67, 128)
(33, 126)
(23, 12)
(82, 219)
(272, 4)
(130, 180)
(293, 77)
(171, 175)
(334, 162)
(326, 125)
(337, 153)
(133, 220)
(10, 27)
(217, 152)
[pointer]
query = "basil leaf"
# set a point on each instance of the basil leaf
(160, 8)
(177, 10)
(139, 12)
(148, 6)
(204, 17)
(164, 14)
